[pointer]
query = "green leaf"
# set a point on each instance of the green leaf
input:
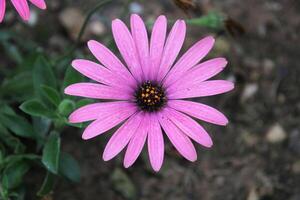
(47, 185)
(123, 184)
(51, 153)
(36, 108)
(41, 125)
(51, 94)
(18, 157)
(11, 141)
(66, 107)
(6, 109)
(19, 87)
(1, 158)
(211, 20)
(43, 75)
(5, 35)
(18, 125)
(12, 51)
(18, 193)
(69, 167)
(71, 77)
(84, 102)
(13, 174)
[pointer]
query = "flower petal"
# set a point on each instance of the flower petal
(97, 91)
(99, 73)
(110, 61)
(157, 43)
(22, 8)
(180, 141)
(126, 46)
(99, 110)
(122, 136)
(190, 59)
(137, 142)
(200, 111)
(140, 37)
(105, 123)
(155, 143)
(198, 74)
(207, 88)
(173, 45)
(39, 3)
(190, 127)
(2, 9)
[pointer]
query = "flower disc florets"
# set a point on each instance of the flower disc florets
(150, 96)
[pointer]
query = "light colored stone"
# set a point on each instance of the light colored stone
(33, 18)
(253, 195)
(249, 91)
(135, 7)
(268, 66)
(296, 167)
(72, 19)
(96, 28)
(276, 134)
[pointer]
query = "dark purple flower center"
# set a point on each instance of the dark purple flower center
(150, 96)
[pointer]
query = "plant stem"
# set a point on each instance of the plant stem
(83, 27)
(88, 17)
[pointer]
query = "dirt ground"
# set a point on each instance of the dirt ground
(255, 157)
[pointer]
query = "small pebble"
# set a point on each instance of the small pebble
(135, 7)
(249, 91)
(276, 134)
(296, 167)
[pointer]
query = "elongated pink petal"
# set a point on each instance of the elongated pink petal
(99, 73)
(157, 43)
(110, 61)
(39, 3)
(140, 38)
(100, 110)
(190, 59)
(2, 9)
(155, 143)
(180, 141)
(122, 136)
(200, 111)
(126, 46)
(207, 88)
(22, 8)
(97, 91)
(190, 127)
(137, 142)
(199, 73)
(105, 123)
(172, 48)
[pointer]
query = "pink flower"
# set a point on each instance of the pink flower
(146, 97)
(22, 7)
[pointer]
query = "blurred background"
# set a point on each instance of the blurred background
(255, 157)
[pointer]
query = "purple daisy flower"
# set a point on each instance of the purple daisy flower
(146, 96)
(22, 7)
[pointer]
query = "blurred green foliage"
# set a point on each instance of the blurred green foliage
(30, 134)
(213, 20)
